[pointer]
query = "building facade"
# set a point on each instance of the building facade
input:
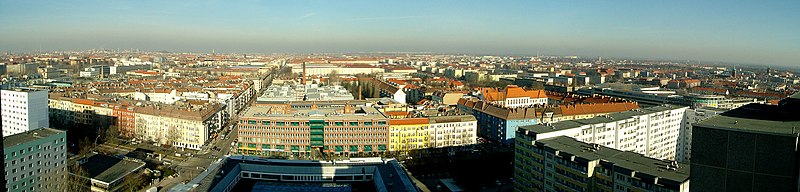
(335, 131)
(409, 134)
(451, 131)
(654, 131)
(692, 116)
(179, 126)
(566, 164)
(751, 148)
(499, 124)
(35, 160)
(24, 109)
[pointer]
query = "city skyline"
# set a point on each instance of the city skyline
(741, 32)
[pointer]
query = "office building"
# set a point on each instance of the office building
(652, 131)
(35, 160)
(566, 164)
(270, 130)
(692, 116)
(24, 109)
(750, 148)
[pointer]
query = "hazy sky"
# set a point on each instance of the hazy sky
(765, 32)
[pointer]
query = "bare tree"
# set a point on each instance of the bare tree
(132, 182)
(84, 146)
(173, 135)
(77, 179)
(111, 135)
(333, 78)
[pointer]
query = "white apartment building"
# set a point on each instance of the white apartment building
(35, 160)
(692, 116)
(449, 131)
(653, 132)
(325, 69)
(23, 109)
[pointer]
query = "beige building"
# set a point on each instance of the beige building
(184, 126)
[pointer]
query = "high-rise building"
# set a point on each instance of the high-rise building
(566, 164)
(35, 160)
(692, 116)
(750, 148)
(652, 131)
(23, 109)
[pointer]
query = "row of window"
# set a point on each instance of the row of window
(306, 123)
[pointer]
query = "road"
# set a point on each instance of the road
(195, 165)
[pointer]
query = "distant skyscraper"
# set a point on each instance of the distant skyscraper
(24, 109)
(751, 148)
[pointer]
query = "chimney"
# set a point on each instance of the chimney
(303, 80)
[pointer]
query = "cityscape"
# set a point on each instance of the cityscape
(168, 96)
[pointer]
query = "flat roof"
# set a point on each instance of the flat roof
(107, 168)
(625, 159)
(28, 136)
(332, 113)
(25, 89)
(611, 117)
(758, 118)
(388, 170)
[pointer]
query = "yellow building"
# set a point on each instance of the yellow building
(409, 134)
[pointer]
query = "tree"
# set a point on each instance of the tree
(77, 179)
(84, 146)
(111, 134)
(132, 182)
(333, 78)
(172, 136)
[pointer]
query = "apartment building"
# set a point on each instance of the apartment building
(409, 134)
(348, 130)
(446, 97)
(653, 132)
(185, 126)
(497, 123)
(513, 96)
(23, 109)
(566, 164)
(450, 131)
(35, 160)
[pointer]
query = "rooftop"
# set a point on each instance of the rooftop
(597, 120)
(28, 136)
(109, 169)
(388, 173)
(361, 112)
(625, 159)
(758, 118)
(25, 89)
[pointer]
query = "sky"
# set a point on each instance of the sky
(756, 32)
